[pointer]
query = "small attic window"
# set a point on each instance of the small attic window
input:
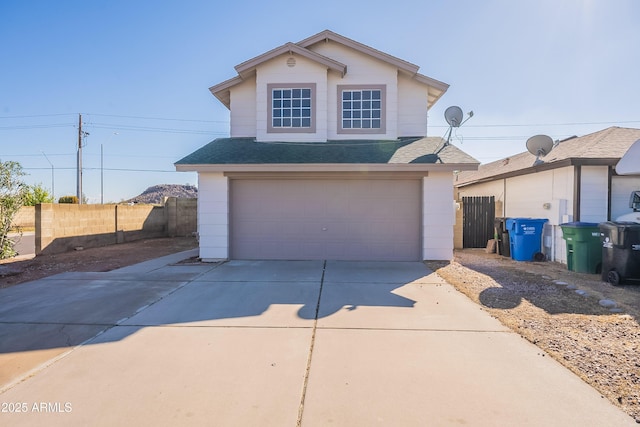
(291, 62)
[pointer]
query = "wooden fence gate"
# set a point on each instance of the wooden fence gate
(478, 215)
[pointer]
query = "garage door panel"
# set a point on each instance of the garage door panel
(325, 219)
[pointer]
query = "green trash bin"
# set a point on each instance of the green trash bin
(584, 247)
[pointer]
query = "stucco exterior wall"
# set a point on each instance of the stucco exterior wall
(438, 216)
(243, 109)
(213, 216)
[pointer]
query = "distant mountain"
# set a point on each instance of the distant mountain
(155, 195)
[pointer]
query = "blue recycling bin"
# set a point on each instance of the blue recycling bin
(525, 238)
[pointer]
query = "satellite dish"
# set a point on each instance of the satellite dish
(453, 115)
(540, 145)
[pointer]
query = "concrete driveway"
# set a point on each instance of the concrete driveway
(278, 343)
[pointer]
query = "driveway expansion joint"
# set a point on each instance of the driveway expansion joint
(313, 340)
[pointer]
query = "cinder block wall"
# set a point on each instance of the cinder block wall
(140, 222)
(64, 227)
(457, 228)
(25, 218)
(182, 216)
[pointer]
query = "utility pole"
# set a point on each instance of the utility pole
(101, 175)
(53, 184)
(79, 179)
(102, 169)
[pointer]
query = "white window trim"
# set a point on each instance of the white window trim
(383, 110)
(270, 88)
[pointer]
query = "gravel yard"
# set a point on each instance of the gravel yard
(589, 326)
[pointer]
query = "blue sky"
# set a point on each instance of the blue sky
(139, 73)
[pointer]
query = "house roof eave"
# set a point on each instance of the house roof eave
(330, 35)
(222, 90)
(541, 168)
(247, 68)
(436, 88)
(323, 167)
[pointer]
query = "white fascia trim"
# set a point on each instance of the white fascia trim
(248, 67)
(390, 59)
(221, 90)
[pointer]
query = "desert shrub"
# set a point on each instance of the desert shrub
(68, 199)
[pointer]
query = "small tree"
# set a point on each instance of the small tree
(37, 194)
(12, 196)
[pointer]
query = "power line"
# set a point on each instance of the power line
(124, 116)
(152, 129)
(23, 127)
(37, 115)
(108, 169)
(38, 155)
(158, 118)
(135, 170)
(545, 124)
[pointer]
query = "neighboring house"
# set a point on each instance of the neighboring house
(328, 159)
(576, 181)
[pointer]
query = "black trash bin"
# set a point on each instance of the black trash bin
(502, 236)
(620, 251)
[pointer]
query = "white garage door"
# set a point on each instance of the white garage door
(336, 219)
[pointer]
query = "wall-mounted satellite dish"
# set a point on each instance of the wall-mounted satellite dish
(453, 115)
(539, 146)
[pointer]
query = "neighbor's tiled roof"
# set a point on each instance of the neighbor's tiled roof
(403, 151)
(606, 147)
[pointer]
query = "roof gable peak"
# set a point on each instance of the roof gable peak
(248, 67)
(328, 35)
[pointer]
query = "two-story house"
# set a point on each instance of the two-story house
(327, 159)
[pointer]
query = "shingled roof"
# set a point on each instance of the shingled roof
(247, 151)
(604, 147)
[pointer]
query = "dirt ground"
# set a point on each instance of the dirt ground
(561, 312)
(106, 258)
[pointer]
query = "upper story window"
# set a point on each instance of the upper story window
(291, 108)
(361, 109)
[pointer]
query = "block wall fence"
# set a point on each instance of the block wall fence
(25, 218)
(64, 227)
